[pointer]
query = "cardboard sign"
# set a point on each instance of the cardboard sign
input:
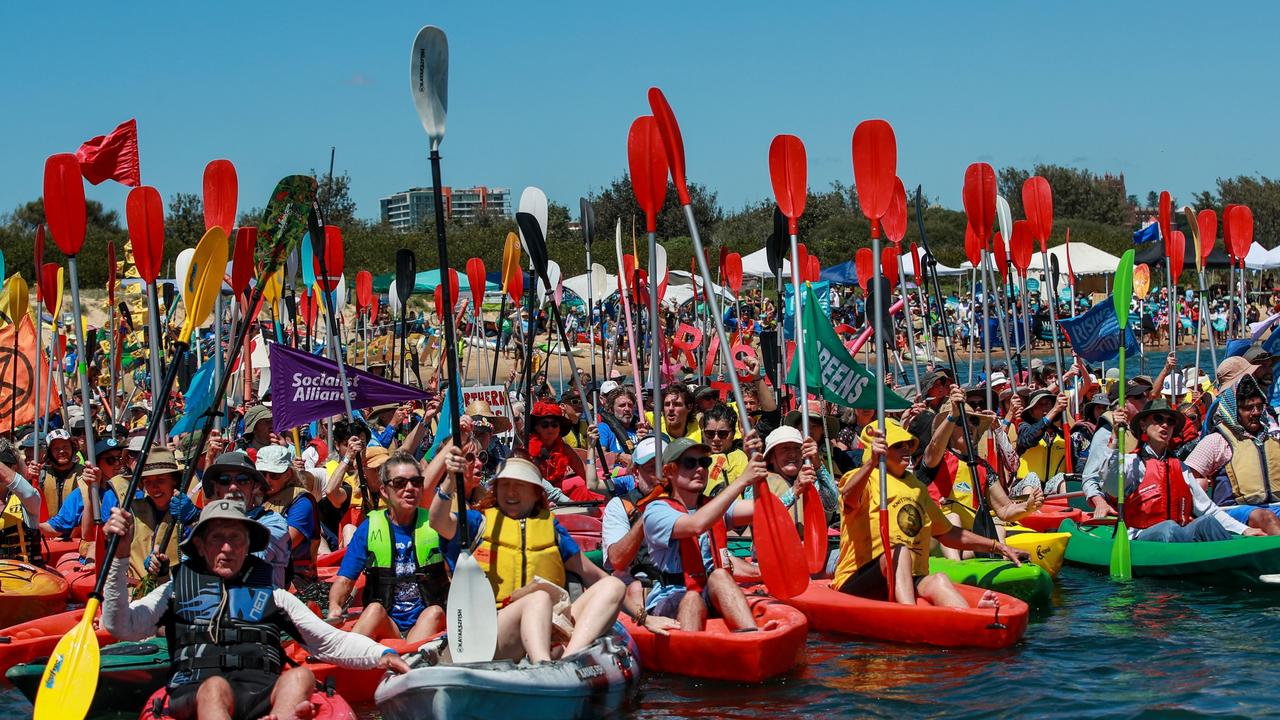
(499, 400)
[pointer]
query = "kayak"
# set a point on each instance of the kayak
(718, 653)
(80, 576)
(833, 611)
(1050, 517)
(1047, 549)
(595, 682)
(326, 705)
(357, 685)
(331, 559)
(1027, 582)
(1241, 561)
(129, 672)
(28, 592)
(27, 641)
(586, 531)
(56, 550)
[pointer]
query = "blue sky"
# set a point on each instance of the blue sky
(543, 93)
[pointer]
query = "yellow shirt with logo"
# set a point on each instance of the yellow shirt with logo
(914, 519)
(725, 468)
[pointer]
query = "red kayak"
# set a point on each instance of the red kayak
(327, 706)
(584, 529)
(1050, 516)
(331, 559)
(30, 640)
(56, 550)
(80, 577)
(28, 592)
(922, 623)
(357, 685)
(718, 653)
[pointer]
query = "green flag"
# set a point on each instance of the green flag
(829, 367)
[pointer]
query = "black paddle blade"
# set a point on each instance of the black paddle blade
(284, 221)
(291, 305)
(924, 237)
(127, 315)
(775, 246)
(406, 274)
(1053, 276)
(588, 221)
(168, 293)
(537, 243)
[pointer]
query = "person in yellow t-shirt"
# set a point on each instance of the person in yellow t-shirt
(718, 429)
(677, 413)
(914, 519)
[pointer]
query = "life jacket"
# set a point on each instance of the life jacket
(513, 551)
(149, 527)
(302, 558)
(953, 482)
(1252, 473)
(694, 572)
(624, 436)
(218, 627)
(642, 564)
(1045, 459)
(382, 578)
(55, 488)
(17, 541)
(322, 451)
(1161, 495)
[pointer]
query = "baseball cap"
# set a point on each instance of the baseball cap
(672, 451)
(273, 459)
(645, 451)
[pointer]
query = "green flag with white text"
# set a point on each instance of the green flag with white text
(829, 368)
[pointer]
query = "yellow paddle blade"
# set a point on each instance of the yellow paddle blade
(271, 288)
(57, 300)
(510, 260)
(204, 279)
(16, 297)
(66, 689)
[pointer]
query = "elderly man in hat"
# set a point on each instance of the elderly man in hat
(232, 476)
(228, 659)
(19, 509)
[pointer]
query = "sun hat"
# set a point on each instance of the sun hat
(255, 415)
(894, 433)
(259, 536)
(273, 459)
(998, 379)
(375, 456)
(785, 435)
(227, 463)
(1159, 406)
(985, 418)
(521, 470)
(608, 386)
(830, 423)
(481, 409)
(1231, 370)
(161, 461)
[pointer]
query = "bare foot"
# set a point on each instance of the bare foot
(989, 599)
(304, 711)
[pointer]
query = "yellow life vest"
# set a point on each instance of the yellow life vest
(1043, 460)
(148, 528)
(15, 537)
(513, 551)
(1254, 470)
(53, 497)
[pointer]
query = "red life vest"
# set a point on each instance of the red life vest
(1161, 495)
(695, 573)
(322, 450)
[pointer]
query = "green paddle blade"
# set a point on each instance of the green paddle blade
(1121, 563)
(284, 221)
(66, 689)
(1124, 288)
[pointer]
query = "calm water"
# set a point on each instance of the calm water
(1103, 650)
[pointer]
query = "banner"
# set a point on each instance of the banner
(18, 367)
(499, 400)
(307, 387)
(1095, 335)
(830, 370)
(821, 290)
(1147, 234)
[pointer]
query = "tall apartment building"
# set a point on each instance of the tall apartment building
(414, 207)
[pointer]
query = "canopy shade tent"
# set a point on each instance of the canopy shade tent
(679, 288)
(1260, 258)
(1153, 255)
(427, 280)
(756, 265)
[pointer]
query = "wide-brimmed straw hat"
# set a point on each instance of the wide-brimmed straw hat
(479, 409)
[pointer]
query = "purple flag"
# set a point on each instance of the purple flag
(306, 387)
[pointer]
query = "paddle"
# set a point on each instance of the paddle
(220, 194)
(1020, 252)
(895, 229)
(1121, 564)
(364, 304)
(1204, 228)
(1037, 203)
(512, 286)
(471, 613)
(587, 220)
(774, 251)
(918, 269)
(475, 278)
(406, 277)
(980, 213)
(71, 675)
(38, 270)
(862, 262)
(788, 172)
(625, 281)
(1240, 220)
(647, 162)
(115, 330)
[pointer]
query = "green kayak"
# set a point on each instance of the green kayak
(1027, 582)
(1239, 562)
(129, 673)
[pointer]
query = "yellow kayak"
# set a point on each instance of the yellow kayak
(1048, 550)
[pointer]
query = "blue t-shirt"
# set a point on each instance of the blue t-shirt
(659, 522)
(475, 520)
(68, 516)
(302, 516)
(407, 605)
(609, 441)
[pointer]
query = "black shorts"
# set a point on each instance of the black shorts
(251, 692)
(868, 582)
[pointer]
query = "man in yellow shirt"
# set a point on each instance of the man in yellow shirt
(914, 519)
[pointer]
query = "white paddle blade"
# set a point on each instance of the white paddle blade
(660, 266)
(429, 81)
(1005, 217)
(554, 276)
(617, 243)
(471, 615)
(393, 299)
(182, 266)
(534, 202)
(599, 281)
(340, 295)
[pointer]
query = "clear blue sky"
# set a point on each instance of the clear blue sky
(543, 93)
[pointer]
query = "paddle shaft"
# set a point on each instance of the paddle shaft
(986, 323)
(655, 343)
(1208, 322)
(154, 354)
(911, 331)
(631, 331)
(798, 333)
(1050, 282)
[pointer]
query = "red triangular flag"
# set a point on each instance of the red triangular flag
(112, 157)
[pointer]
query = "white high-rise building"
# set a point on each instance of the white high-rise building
(414, 207)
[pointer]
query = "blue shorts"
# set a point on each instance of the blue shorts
(664, 600)
(1241, 513)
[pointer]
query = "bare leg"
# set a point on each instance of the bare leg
(693, 612)
(729, 600)
(429, 623)
(904, 586)
(947, 552)
(1265, 520)
(214, 700)
(524, 628)
(289, 699)
(375, 623)
(937, 589)
(595, 612)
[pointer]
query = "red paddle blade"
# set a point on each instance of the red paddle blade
(732, 270)
(801, 260)
(778, 547)
(889, 265)
(815, 531)
(672, 142)
(1228, 230)
(334, 255)
(648, 165)
(1002, 260)
(242, 261)
(895, 220)
(144, 213)
(454, 284)
(629, 270)
(364, 289)
(862, 261)
(64, 202)
(51, 287)
(1208, 222)
(1020, 248)
(1166, 211)
(788, 171)
(1037, 203)
(373, 306)
(1177, 253)
(915, 261)
(439, 291)
(972, 245)
(813, 269)
(1066, 245)
(515, 287)
(980, 201)
(220, 192)
(875, 168)
(475, 278)
(1241, 230)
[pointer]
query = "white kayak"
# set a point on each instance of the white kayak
(595, 682)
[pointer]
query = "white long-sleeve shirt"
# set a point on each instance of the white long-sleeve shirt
(139, 619)
(1135, 468)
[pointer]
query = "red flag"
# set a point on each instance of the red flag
(112, 157)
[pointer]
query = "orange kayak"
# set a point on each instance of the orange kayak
(28, 592)
(357, 685)
(922, 623)
(27, 641)
(718, 653)
(325, 705)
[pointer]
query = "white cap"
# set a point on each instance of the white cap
(645, 451)
(608, 386)
(782, 436)
(998, 378)
(273, 459)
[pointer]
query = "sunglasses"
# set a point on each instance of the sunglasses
(1163, 419)
(548, 423)
(903, 446)
(687, 463)
(112, 459)
(717, 433)
(400, 482)
(238, 479)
